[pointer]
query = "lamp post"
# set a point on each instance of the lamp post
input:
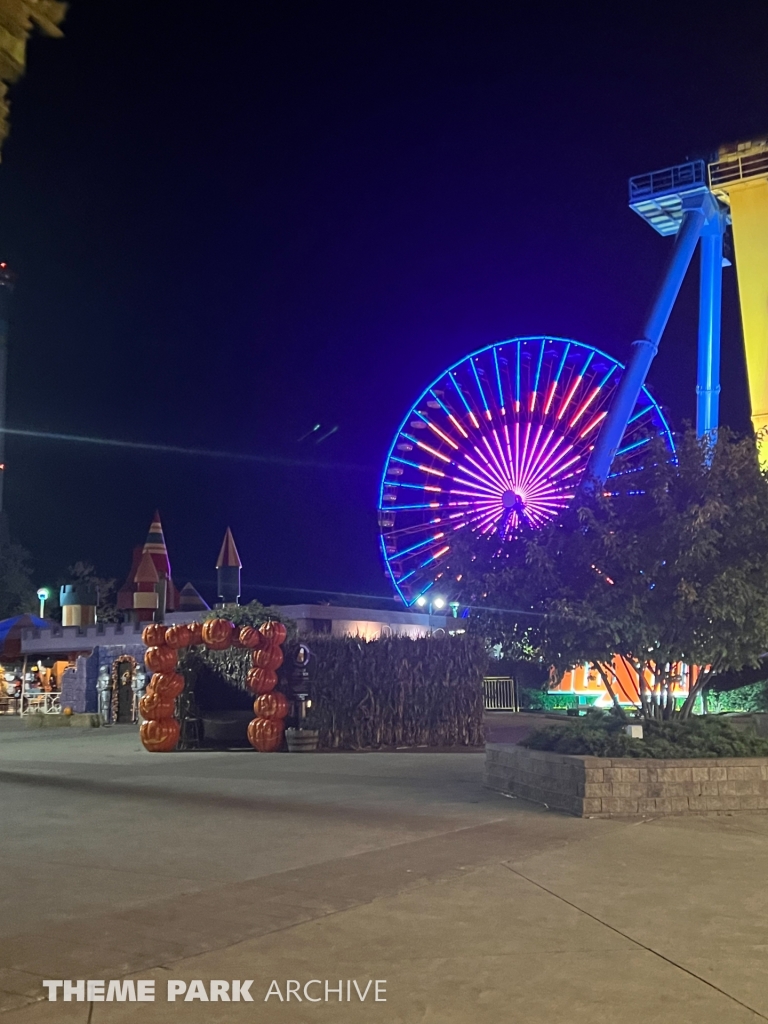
(431, 603)
(42, 595)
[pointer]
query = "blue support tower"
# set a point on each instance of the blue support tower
(710, 301)
(676, 201)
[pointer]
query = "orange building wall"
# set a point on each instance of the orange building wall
(585, 681)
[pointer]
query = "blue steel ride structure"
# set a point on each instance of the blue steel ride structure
(499, 441)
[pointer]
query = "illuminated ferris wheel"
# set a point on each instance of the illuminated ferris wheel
(498, 441)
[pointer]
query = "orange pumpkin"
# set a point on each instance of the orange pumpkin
(274, 632)
(160, 659)
(272, 705)
(153, 635)
(167, 685)
(195, 630)
(218, 634)
(160, 735)
(265, 734)
(261, 680)
(153, 706)
(177, 636)
(250, 637)
(268, 657)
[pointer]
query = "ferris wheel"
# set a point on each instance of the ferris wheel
(499, 441)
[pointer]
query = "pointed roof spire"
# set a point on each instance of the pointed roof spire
(146, 572)
(228, 555)
(190, 600)
(155, 546)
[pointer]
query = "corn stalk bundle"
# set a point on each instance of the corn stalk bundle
(398, 692)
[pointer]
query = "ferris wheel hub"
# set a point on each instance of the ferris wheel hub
(514, 500)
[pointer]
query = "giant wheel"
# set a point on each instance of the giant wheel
(498, 441)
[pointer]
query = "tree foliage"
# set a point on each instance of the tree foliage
(17, 591)
(85, 573)
(669, 566)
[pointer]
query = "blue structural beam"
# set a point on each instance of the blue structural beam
(698, 210)
(710, 301)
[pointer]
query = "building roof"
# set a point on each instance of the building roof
(190, 600)
(155, 546)
(146, 572)
(125, 593)
(228, 555)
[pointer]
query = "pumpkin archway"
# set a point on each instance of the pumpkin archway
(160, 729)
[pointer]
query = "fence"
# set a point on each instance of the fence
(500, 694)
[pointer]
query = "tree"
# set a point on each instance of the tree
(670, 567)
(17, 591)
(85, 573)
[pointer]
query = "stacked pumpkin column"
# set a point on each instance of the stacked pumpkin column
(265, 732)
(160, 729)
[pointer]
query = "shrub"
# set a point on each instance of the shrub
(602, 735)
(535, 700)
(745, 699)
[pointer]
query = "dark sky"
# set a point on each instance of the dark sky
(230, 225)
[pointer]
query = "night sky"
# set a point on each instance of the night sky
(227, 231)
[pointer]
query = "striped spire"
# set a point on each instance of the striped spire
(155, 547)
(228, 555)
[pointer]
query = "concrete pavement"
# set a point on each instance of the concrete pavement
(396, 867)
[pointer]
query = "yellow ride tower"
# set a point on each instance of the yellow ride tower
(739, 178)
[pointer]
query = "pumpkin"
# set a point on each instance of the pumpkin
(160, 659)
(250, 637)
(262, 680)
(268, 657)
(177, 636)
(153, 706)
(218, 634)
(153, 635)
(272, 705)
(265, 734)
(167, 685)
(274, 632)
(195, 630)
(160, 735)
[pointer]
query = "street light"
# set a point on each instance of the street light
(42, 595)
(432, 604)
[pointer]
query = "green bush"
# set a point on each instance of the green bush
(602, 735)
(745, 699)
(535, 700)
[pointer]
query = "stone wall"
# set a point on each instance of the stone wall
(604, 787)
(78, 687)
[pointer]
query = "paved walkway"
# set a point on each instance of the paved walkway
(398, 867)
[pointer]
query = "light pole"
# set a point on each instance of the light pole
(42, 596)
(431, 603)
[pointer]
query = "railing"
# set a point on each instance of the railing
(40, 704)
(500, 694)
(670, 179)
(752, 165)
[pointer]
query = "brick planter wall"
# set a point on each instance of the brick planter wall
(603, 787)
